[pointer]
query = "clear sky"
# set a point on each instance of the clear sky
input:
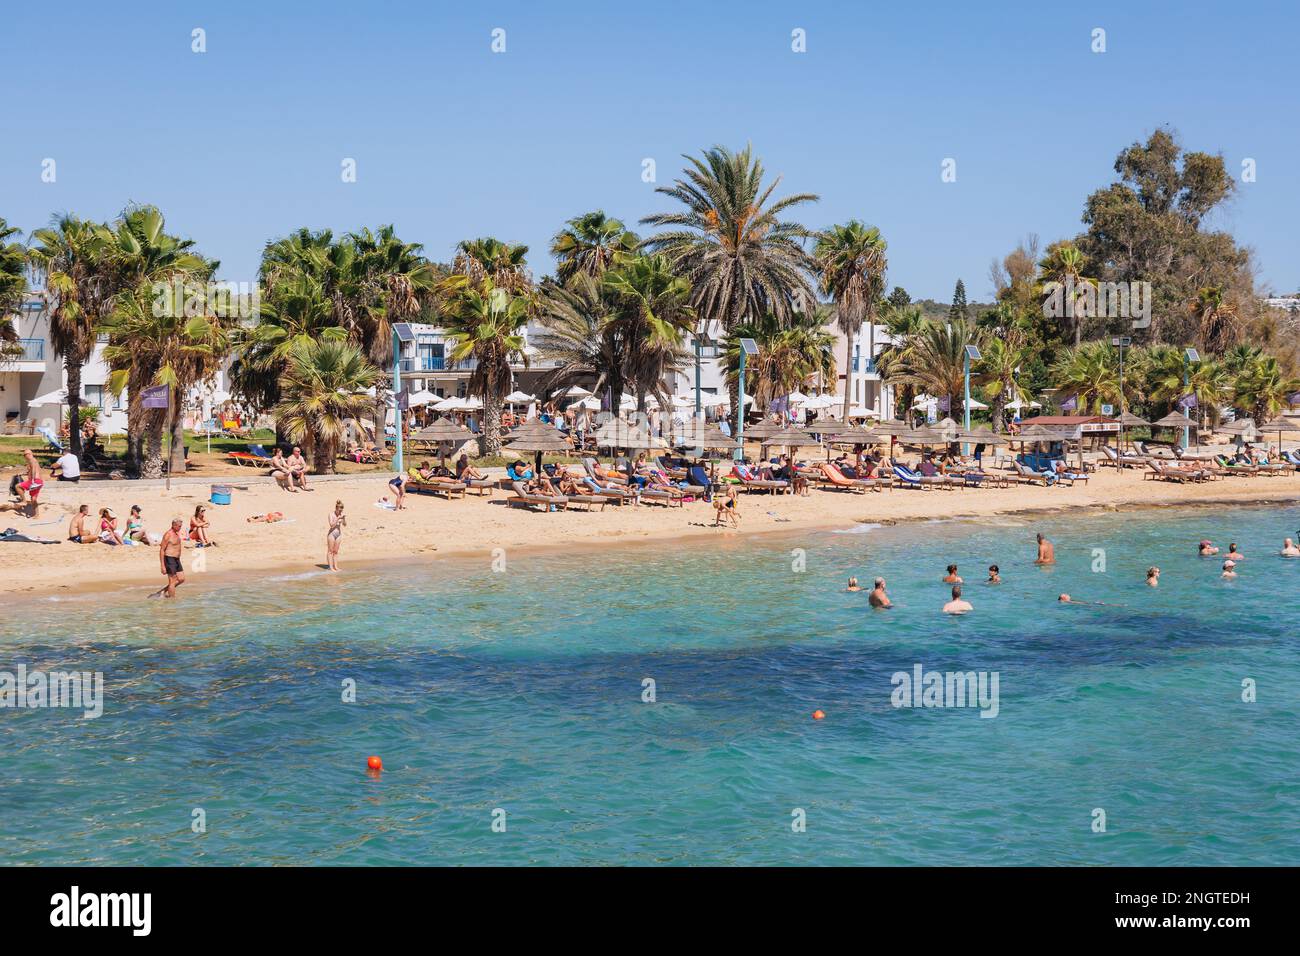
(244, 143)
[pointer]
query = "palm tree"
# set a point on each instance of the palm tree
(152, 341)
(852, 262)
(577, 331)
(1091, 373)
(999, 371)
(13, 281)
(1168, 377)
(324, 385)
(1064, 263)
(731, 241)
(74, 254)
(651, 315)
(903, 323)
(1263, 389)
(485, 322)
(790, 356)
(504, 263)
(933, 359)
(1218, 319)
(589, 245)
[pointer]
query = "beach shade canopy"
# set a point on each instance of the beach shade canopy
(471, 404)
(1017, 404)
(422, 397)
(59, 397)
(449, 404)
(443, 431)
(1044, 433)
(924, 436)
(1129, 420)
(859, 411)
(1280, 424)
(797, 398)
(698, 434)
(1174, 420)
(1244, 427)
(891, 428)
(981, 436)
(576, 391)
(792, 436)
(537, 436)
(517, 398)
(761, 430)
(976, 403)
(640, 439)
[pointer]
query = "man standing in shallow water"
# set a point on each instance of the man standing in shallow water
(169, 557)
(878, 597)
(956, 605)
(1046, 551)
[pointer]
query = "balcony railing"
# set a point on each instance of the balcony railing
(435, 363)
(33, 350)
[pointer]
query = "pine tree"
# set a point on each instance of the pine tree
(957, 311)
(899, 298)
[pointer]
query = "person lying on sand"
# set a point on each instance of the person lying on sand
(878, 598)
(269, 518)
(957, 605)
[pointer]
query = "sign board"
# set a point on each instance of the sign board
(1108, 409)
(155, 396)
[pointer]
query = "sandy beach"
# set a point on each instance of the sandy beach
(432, 527)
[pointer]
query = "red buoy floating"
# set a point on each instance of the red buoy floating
(819, 714)
(374, 763)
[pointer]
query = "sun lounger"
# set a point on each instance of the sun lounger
(908, 478)
(665, 496)
(526, 499)
(1168, 472)
(435, 486)
(1235, 468)
(246, 458)
(836, 479)
(621, 496)
(1123, 461)
(1029, 476)
(589, 500)
(751, 483)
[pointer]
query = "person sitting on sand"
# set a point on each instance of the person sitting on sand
(77, 532)
(1153, 577)
(878, 597)
(1046, 551)
(135, 526)
(1234, 554)
(957, 605)
(995, 576)
(465, 472)
(1289, 550)
(298, 468)
(1229, 569)
(199, 525)
(853, 585)
(1207, 549)
(281, 471)
(952, 577)
(726, 508)
(108, 527)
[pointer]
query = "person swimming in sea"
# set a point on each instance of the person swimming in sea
(1289, 550)
(878, 598)
(1229, 569)
(1207, 549)
(1046, 551)
(1234, 554)
(952, 577)
(1153, 577)
(853, 585)
(995, 576)
(957, 605)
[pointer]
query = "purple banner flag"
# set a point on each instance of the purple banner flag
(1187, 401)
(1070, 404)
(155, 396)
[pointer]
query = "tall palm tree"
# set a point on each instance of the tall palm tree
(933, 359)
(506, 264)
(1091, 373)
(324, 385)
(853, 263)
(1168, 377)
(13, 281)
(652, 313)
(576, 330)
(485, 322)
(1065, 263)
(1219, 326)
(589, 244)
(732, 242)
(999, 372)
(74, 254)
(790, 356)
(903, 324)
(152, 341)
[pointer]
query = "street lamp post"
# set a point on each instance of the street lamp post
(401, 333)
(698, 409)
(1189, 356)
(1120, 341)
(972, 355)
(747, 347)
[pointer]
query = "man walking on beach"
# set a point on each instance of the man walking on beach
(30, 487)
(1046, 552)
(169, 555)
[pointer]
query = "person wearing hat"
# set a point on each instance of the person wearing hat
(1207, 549)
(1228, 569)
(108, 527)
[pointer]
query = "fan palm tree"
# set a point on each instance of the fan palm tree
(853, 263)
(75, 256)
(933, 360)
(1262, 390)
(13, 281)
(790, 356)
(732, 242)
(577, 331)
(324, 385)
(485, 322)
(589, 245)
(1091, 373)
(1168, 377)
(903, 324)
(488, 258)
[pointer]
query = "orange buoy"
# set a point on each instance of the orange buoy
(819, 714)
(374, 763)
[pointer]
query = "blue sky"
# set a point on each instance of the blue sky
(244, 143)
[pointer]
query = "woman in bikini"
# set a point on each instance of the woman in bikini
(332, 536)
(199, 528)
(108, 527)
(135, 526)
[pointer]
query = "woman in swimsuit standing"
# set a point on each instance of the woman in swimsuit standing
(337, 521)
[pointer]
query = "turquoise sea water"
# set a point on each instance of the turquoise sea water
(522, 691)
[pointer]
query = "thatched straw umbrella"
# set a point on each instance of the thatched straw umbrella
(1281, 424)
(792, 437)
(1129, 420)
(443, 432)
(538, 439)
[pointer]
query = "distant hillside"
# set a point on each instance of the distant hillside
(939, 310)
